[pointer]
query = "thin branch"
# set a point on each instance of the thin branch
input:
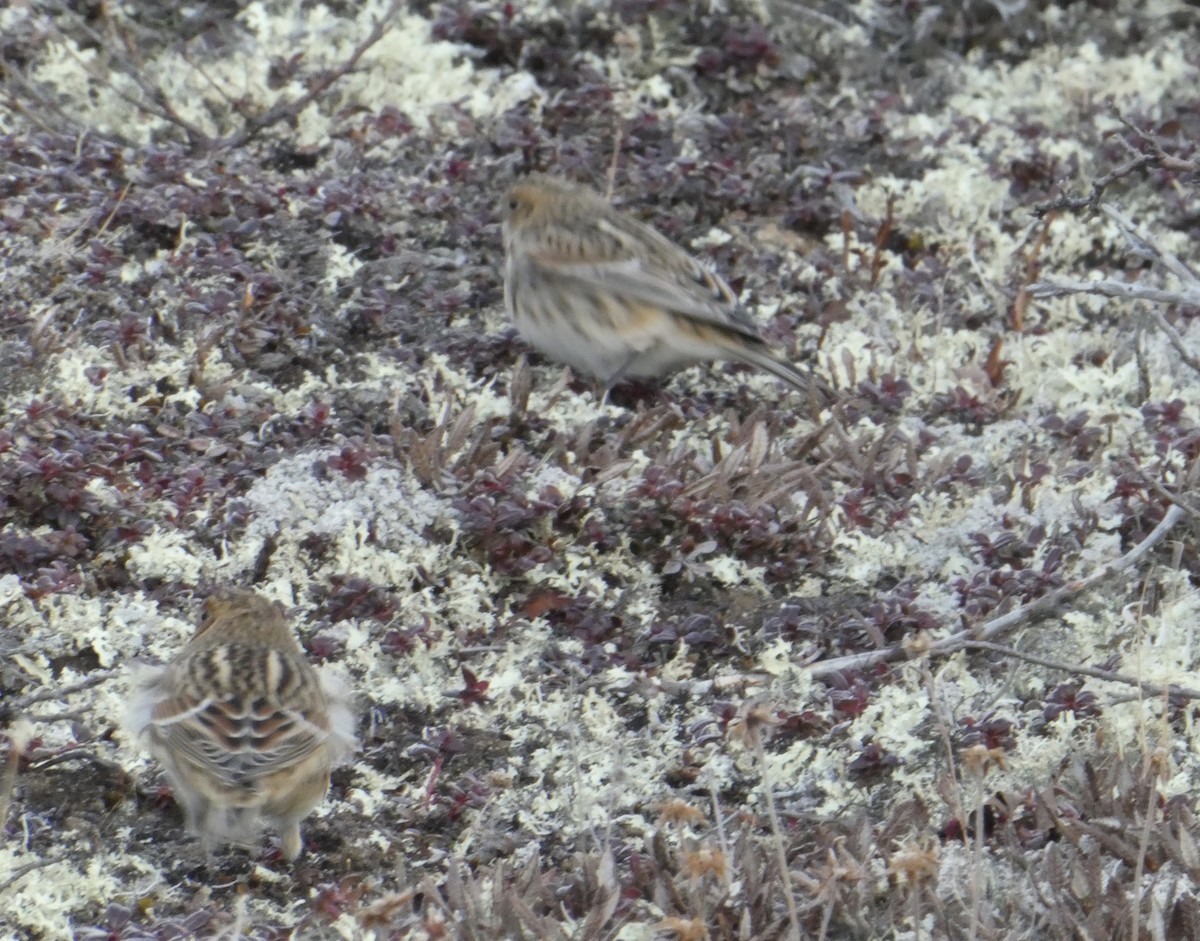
(1092, 199)
(1157, 157)
(1169, 161)
(120, 199)
(1147, 688)
(615, 158)
(1176, 340)
(799, 9)
(19, 703)
(41, 762)
(1054, 599)
(1107, 287)
(1038, 608)
(290, 109)
(47, 718)
(1170, 497)
(155, 102)
(1150, 246)
(18, 735)
(22, 871)
(37, 106)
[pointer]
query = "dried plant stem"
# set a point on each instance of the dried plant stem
(18, 738)
(977, 860)
(826, 918)
(154, 101)
(286, 110)
(1146, 687)
(1175, 498)
(1109, 287)
(1038, 608)
(20, 703)
(1156, 156)
(1146, 245)
(614, 158)
(789, 894)
(22, 871)
(1135, 163)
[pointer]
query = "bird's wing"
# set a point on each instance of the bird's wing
(632, 260)
(242, 735)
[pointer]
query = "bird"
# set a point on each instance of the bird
(592, 287)
(245, 727)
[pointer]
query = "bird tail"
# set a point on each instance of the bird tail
(802, 381)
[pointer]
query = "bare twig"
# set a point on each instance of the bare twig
(40, 109)
(1038, 608)
(18, 735)
(41, 762)
(1169, 161)
(120, 199)
(721, 685)
(1149, 247)
(1176, 340)
(615, 157)
(48, 717)
(1108, 287)
(799, 9)
(1156, 157)
(749, 727)
(290, 109)
(18, 703)
(1147, 688)
(1188, 507)
(154, 101)
(1092, 199)
(22, 871)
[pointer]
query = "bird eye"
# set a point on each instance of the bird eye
(512, 205)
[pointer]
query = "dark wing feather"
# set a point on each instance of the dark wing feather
(236, 737)
(633, 261)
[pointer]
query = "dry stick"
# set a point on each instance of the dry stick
(1151, 689)
(1169, 161)
(1151, 768)
(1098, 186)
(47, 717)
(21, 702)
(234, 104)
(1149, 245)
(789, 895)
(22, 871)
(43, 105)
(1139, 867)
(1138, 160)
(1167, 495)
(977, 855)
(19, 733)
(158, 105)
(615, 158)
(1176, 341)
(1145, 245)
(801, 9)
(1107, 287)
(120, 199)
(1037, 608)
(289, 109)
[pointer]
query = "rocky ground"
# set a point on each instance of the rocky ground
(700, 662)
